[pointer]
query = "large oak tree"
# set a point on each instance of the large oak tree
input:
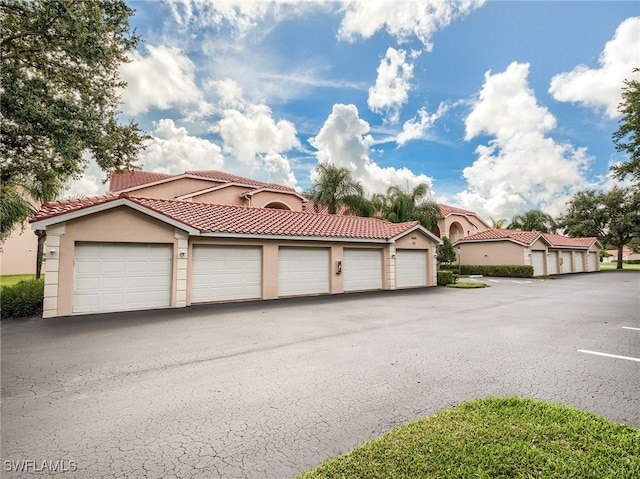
(627, 137)
(613, 217)
(59, 97)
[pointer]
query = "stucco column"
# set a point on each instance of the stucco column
(51, 278)
(270, 271)
(391, 266)
(181, 268)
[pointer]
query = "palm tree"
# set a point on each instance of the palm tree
(334, 187)
(498, 224)
(533, 220)
(20, 203)
(415, 205)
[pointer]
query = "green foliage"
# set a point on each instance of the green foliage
(334, 187)
(416, 205)
(495, 438)
(445, 277)
(613, 216)
(533, 220)
(22, 300)
(498, 224)
(627, 137)
(446, 252)
(498, 270)
(60, 84)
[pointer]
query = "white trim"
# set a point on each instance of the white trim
(257, 190)
(79, 213)
(414, 228)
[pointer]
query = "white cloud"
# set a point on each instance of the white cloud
(172, 150)
(601, 88)
(417, 127)
(91, 183)
(421, 18)
(253, 136)
(393, 83)
(342, 141)
(242, 15)
(520, 168)
(163, 79)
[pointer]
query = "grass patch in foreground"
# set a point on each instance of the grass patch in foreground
(466, 285)
(495, 438)
(11, 279)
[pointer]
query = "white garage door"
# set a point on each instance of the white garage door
(593, 261)
(118, 277)
(566, 262)
(537, 261)
(579, 257)
(362, 269)
(411, 268)
(553, 262)
(303, 271)
(226, 273)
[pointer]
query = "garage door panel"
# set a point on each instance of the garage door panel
(537, 260)
(567, 267)
(553, 263)
(411, 268)
(303, 271)
(118, 277)
(226, 273)
(362, 269)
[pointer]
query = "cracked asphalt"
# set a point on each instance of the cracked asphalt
(269, 389)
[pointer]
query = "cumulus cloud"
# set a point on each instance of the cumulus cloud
(342, 141)
(253, 136)
(402, 20)
(240, 14)
(601, 87)
(393, 83)
(172, 150)
(417, 127)
(521, 167)
(163, 79)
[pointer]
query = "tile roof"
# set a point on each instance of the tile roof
(234, 219)
(565, 241)
(524, 237)
(528, 237)
(447, 210)
(128, 179)
(229, 178)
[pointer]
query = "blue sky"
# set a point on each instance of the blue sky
(499, 106)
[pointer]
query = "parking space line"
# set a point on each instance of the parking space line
(628, 358)
(629, 327)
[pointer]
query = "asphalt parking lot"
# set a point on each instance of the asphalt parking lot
(269, 389)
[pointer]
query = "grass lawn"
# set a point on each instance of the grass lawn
(495, 438)
(10, 280)
(625, 267)
(466, 285)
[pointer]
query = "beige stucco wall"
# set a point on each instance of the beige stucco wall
(19, 251)
(492, 252)
(228, 195)
(449, 225)
(172, 189)
(119, 225)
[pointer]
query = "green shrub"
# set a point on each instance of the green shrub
(445, 278)
(499, 270)
(632, 261)
(22, 299)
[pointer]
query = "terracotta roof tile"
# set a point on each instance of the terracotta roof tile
(524, 237)
(229, 178)
(233, 219)
(128, 179)
(560, 241)
(447, 210)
